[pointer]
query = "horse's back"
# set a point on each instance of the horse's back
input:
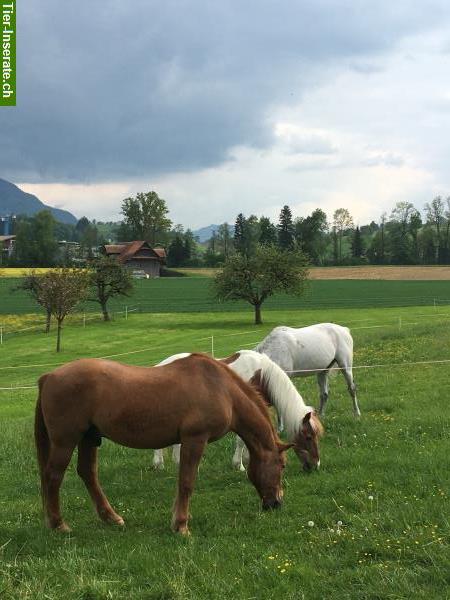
(307, 348)
(141, 407)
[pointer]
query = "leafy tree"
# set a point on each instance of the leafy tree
(246, 234)
(59, 291)
(81, 226)
(285, 229)
(357, 244)
(255, 278)
(145, 217)
(404, 220)
(224, 238)
(36, 244)
(342, 221)
(32, 285)
(189, 245)
(311, 235)
(268, 234)
(176, 252)
(108, 279)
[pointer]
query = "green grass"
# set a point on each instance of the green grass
(394, 546)
(193, 294)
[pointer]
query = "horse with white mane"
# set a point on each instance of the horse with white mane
(303, 427)
(313, 350)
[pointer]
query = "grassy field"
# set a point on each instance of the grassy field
(379, 503)
(193, 294)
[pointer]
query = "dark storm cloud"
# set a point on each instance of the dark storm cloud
(115, 90)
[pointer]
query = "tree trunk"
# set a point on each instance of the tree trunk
(258, 320)
(58, 337)
(47, 323)
(105, 312)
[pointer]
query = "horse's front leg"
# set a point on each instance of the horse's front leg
(176, 453)
(237, 456)
(190, 456)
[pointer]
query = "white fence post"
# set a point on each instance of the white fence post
(212, 346)
(1, 335)
(126, 313)
(84, 319)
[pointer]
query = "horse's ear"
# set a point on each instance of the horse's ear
(283, 447)
(307, 417)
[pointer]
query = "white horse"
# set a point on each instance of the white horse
(303, 427)
(313, 350)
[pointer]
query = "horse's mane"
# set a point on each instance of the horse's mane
(316, 424)
(249, 389)
(282, 394)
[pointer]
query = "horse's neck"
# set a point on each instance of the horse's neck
(253, 426)
(285, 398)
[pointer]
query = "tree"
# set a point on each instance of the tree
(285, 229)
(108, 278)
(357, 244)
(267, 232)
(246, 234)
(255, 278)
(36, 244)
(224, 238)
(32, 285)
(342, 221)
(404, 220)
(311, 235)
(176, 251)
(59, 291)
(146, 217)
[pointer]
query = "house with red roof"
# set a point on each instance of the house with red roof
(138, 256)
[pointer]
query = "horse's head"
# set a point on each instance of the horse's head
(306, 444)
(265, 473)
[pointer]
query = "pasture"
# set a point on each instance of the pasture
(372, 523)
(193, 294)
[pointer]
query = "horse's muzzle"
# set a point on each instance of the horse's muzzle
(271, 504)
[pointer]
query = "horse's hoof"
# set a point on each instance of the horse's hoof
(184, 531)
(63, 528)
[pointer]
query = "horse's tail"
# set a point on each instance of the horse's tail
(41, 434)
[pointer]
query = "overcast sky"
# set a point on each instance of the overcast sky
(231, 106)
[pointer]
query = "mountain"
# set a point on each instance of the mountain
(15, 202)
(205, 233)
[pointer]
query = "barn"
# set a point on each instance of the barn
(138, 256)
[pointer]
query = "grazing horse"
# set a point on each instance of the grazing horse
(303, 427)
(193, 402)
(313, 350)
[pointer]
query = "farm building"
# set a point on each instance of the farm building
(6, 245)
(138, 256)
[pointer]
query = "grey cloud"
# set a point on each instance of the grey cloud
(116, 90)
(310, 144)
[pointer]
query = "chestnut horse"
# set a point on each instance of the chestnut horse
(193, 402)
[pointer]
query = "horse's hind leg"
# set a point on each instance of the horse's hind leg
(348, 374)
(237, 456)
(322, 380)
(190, 455)
(158, 459)
(58, 461)
(87, 469)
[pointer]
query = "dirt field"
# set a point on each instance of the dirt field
(382, 272)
